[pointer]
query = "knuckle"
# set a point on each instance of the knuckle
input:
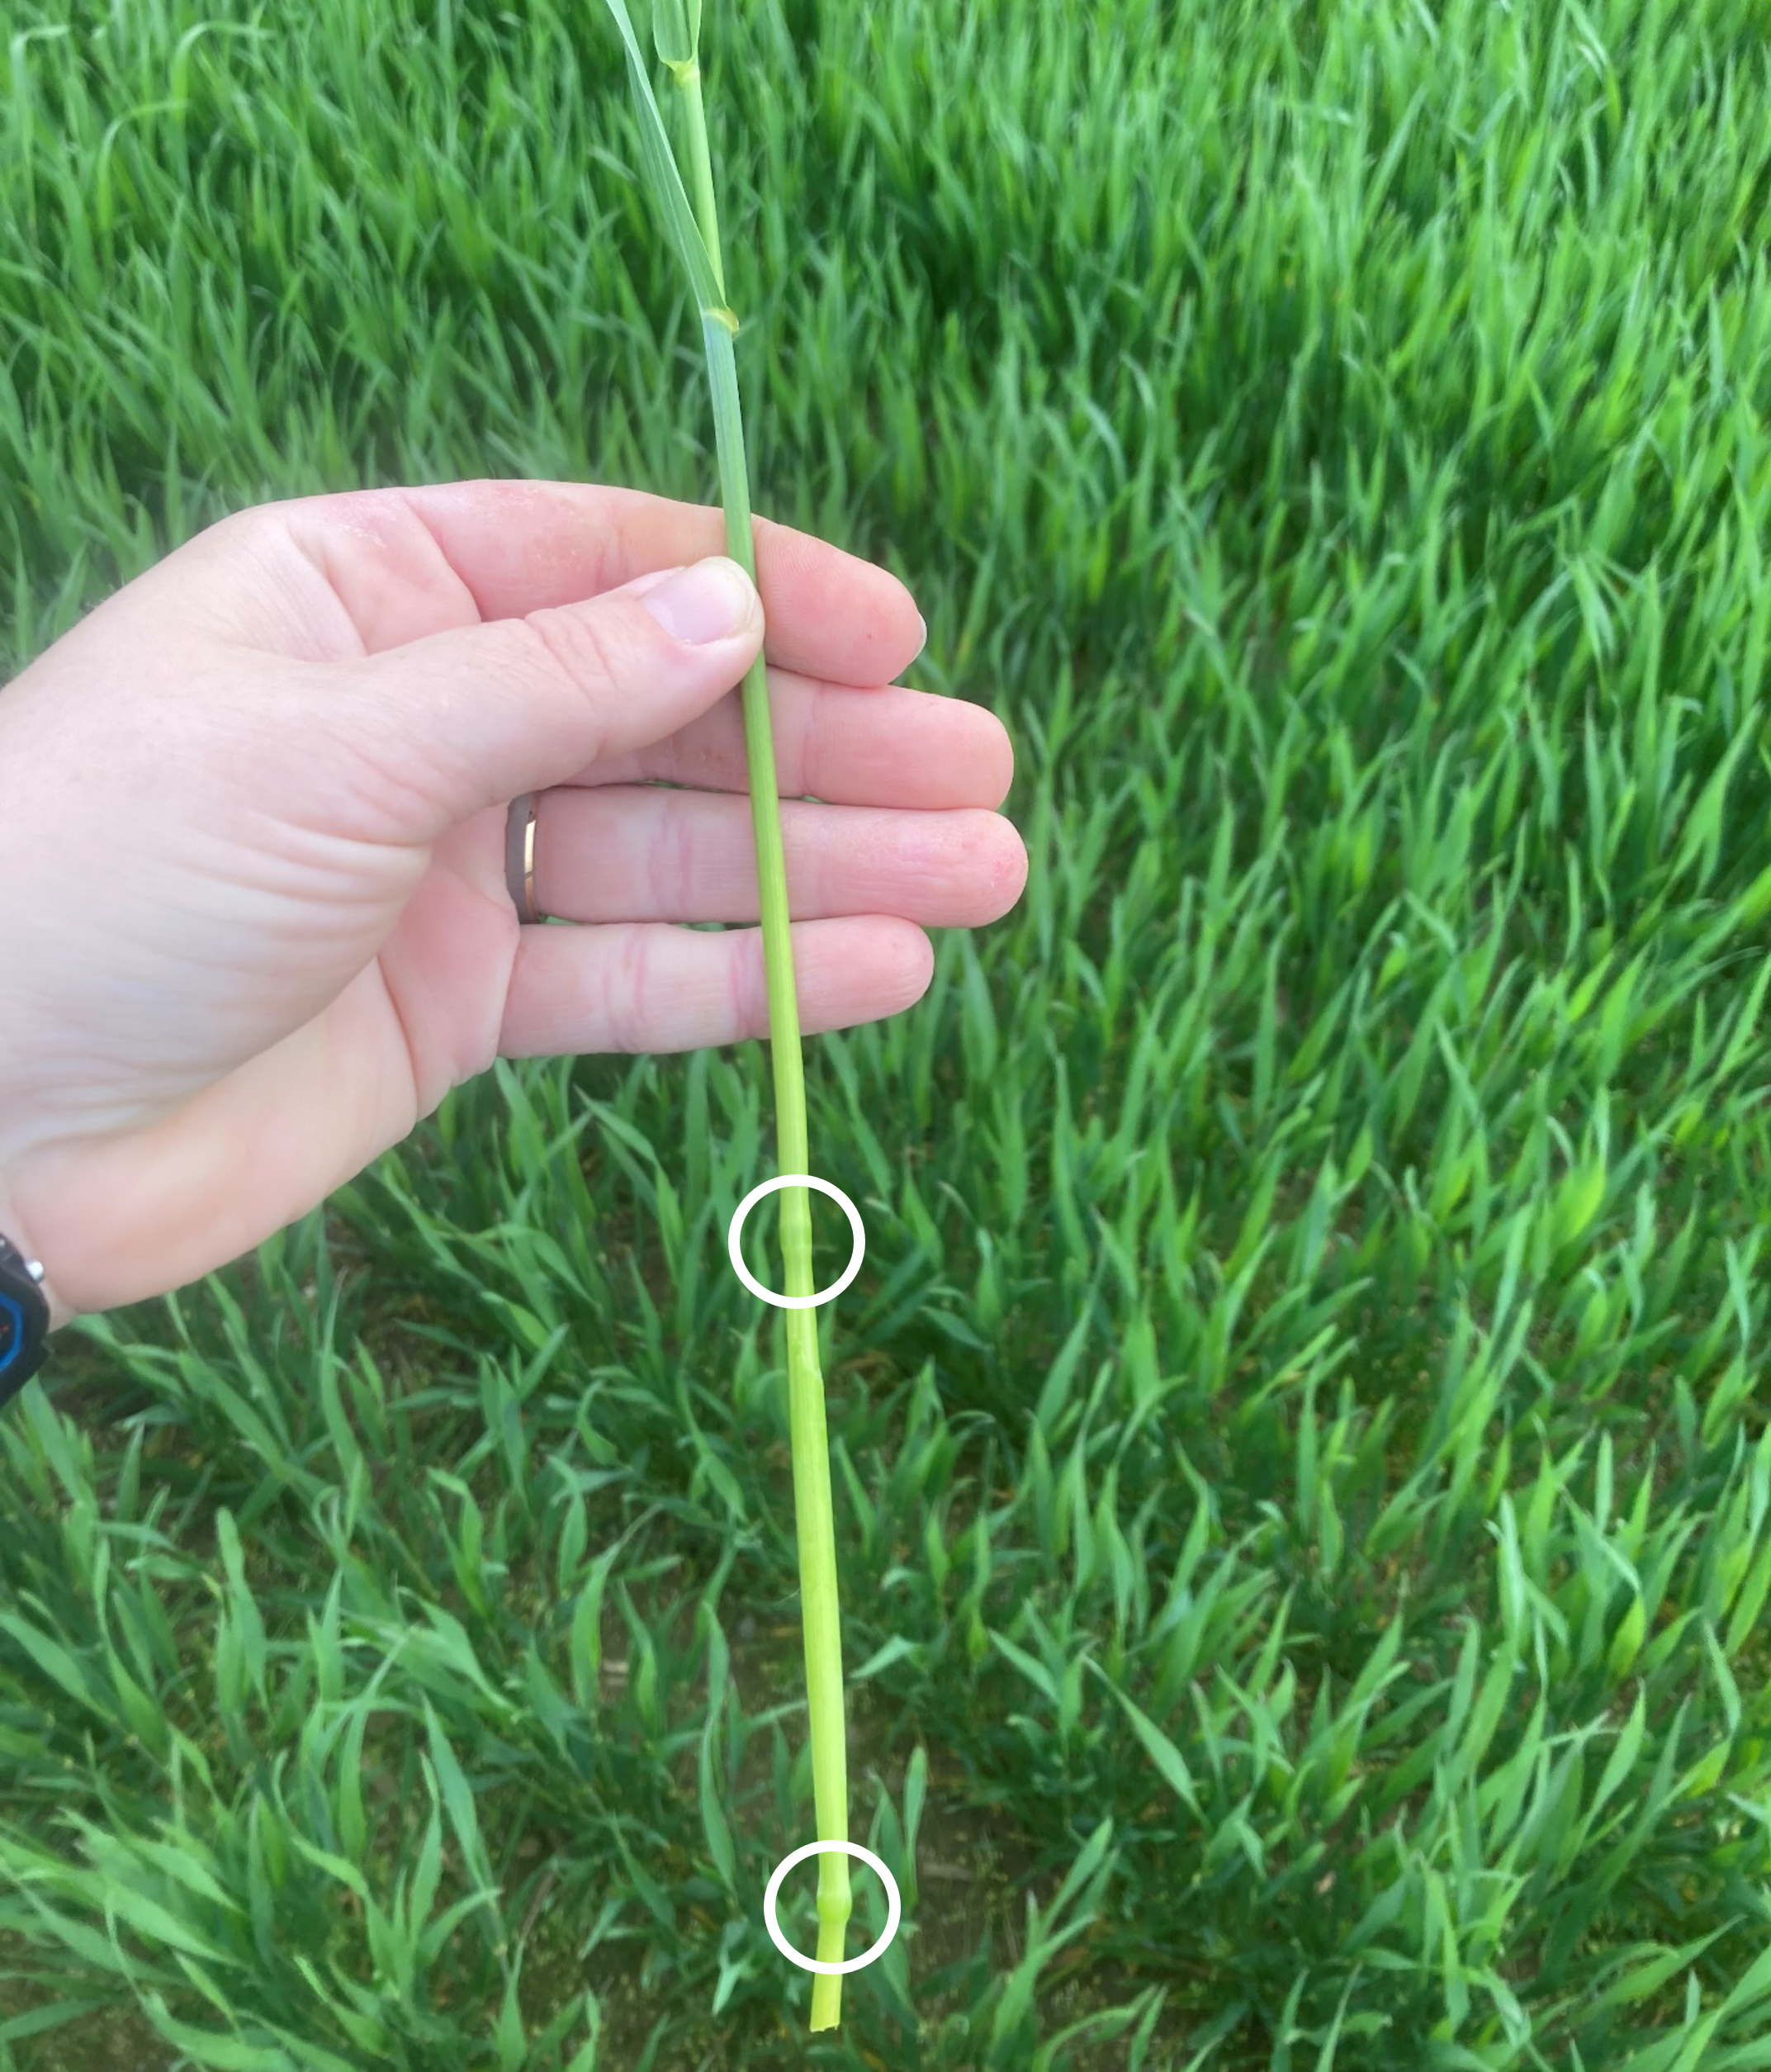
(571, 645)
(632, 992)
(814, 746)
(682, 847)
(809, 866)
(748, 979)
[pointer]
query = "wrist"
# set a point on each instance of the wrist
(13, 1227)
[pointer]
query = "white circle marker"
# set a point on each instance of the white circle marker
(894, 1907)
(796, 1302)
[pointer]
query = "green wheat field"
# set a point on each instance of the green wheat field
(1304, 1496)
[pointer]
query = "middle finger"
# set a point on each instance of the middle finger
(890, 746)
(645, 853)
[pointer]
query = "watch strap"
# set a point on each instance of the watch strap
(24, 1319)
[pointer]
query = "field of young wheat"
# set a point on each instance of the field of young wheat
(1303, 1497)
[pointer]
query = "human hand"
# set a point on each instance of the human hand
(256, 922)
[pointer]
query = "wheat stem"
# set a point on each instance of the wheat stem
(676, 34)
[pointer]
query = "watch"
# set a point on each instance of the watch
(24, 1319)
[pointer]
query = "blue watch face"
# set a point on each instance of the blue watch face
(11, 1331)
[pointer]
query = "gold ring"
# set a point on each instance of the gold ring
(519, 857)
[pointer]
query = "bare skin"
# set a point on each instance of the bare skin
(255, 923)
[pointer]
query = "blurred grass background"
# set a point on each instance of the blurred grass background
(1302, 1487)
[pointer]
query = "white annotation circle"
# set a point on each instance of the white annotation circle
(796, 1302)
(894, 1907)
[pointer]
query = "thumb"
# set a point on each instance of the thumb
(480, 714)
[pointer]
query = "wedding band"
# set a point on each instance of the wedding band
(519, 857)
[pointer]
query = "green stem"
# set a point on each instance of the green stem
(813, 1514)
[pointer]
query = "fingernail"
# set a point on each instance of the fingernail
(711, 601)
(924, 624)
